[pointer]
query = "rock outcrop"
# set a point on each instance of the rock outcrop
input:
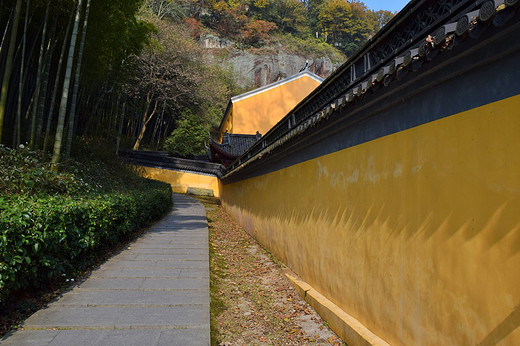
(211, 41)
(253, 69)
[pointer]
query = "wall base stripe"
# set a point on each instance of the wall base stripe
(346, 326)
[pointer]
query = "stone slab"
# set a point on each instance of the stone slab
(165, 251)
(131, 337)
(119, 317)
(155, 264)
(151, 273)
(173, 235)
(178, 238)
(162, 257)
(29, 338)
(182, 223)
(144, 284)
(161, 244)
(173, 241)
(80, 297)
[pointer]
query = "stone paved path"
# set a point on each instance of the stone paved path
(156, 292)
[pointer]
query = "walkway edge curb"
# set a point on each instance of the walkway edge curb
(347, 327)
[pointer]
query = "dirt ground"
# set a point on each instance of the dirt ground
(253, 303)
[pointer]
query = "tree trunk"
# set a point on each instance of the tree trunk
(6, 31)
(156, 127)
(120, 129)
(165, 130)
(158, 143)
(9, 65)
(18, 124)
(57, 83)
(65, 94)
(72, 116)
(33, 139)
(115, 114)
(146, 120)
(45, 83)
(100, 99)
(137, 122)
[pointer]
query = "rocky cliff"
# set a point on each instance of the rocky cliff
(259, 70)
(256, 68)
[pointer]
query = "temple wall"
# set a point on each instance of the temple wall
(418, 241)
(180, 181)
(407, 222)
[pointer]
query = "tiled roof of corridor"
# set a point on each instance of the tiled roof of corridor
(235, 144)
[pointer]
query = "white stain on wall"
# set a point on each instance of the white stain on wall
(398, 170)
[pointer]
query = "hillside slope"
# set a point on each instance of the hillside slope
(262, 41)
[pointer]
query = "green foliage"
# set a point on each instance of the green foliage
(54, 223)
(288, 15)
(189, 137)
(381, 17)
(348, 24)
(311, 47)
(28, 172)
(170, 9)
(249, 23)
(226, 17)
(41, 238)
(344, 24)
(114, 33)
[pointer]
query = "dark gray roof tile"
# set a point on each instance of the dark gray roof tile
(235, 144)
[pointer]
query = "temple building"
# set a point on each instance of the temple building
(253, 113)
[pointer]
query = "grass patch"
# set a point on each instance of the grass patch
(217, 265)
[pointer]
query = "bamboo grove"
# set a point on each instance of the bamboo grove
(59, 63)
(90, 67)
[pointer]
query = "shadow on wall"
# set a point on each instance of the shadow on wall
(508, 325)
(419, 241)
(428, 266)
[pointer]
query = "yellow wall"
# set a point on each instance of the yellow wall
(228, 124)
(416, 234)
(262, 111)
(180, 181)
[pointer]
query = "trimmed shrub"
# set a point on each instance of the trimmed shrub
(41, 238)
(54, 223)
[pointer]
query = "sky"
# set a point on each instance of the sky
(389, 5)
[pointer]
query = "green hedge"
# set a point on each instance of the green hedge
(44, 237)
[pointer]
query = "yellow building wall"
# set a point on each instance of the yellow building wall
(262, 111)
(180, 181)
(227, 125)
(415, 234)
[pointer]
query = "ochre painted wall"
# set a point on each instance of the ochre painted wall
(416, 234)
(227, 125)
(262, 111)
(180, 181)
